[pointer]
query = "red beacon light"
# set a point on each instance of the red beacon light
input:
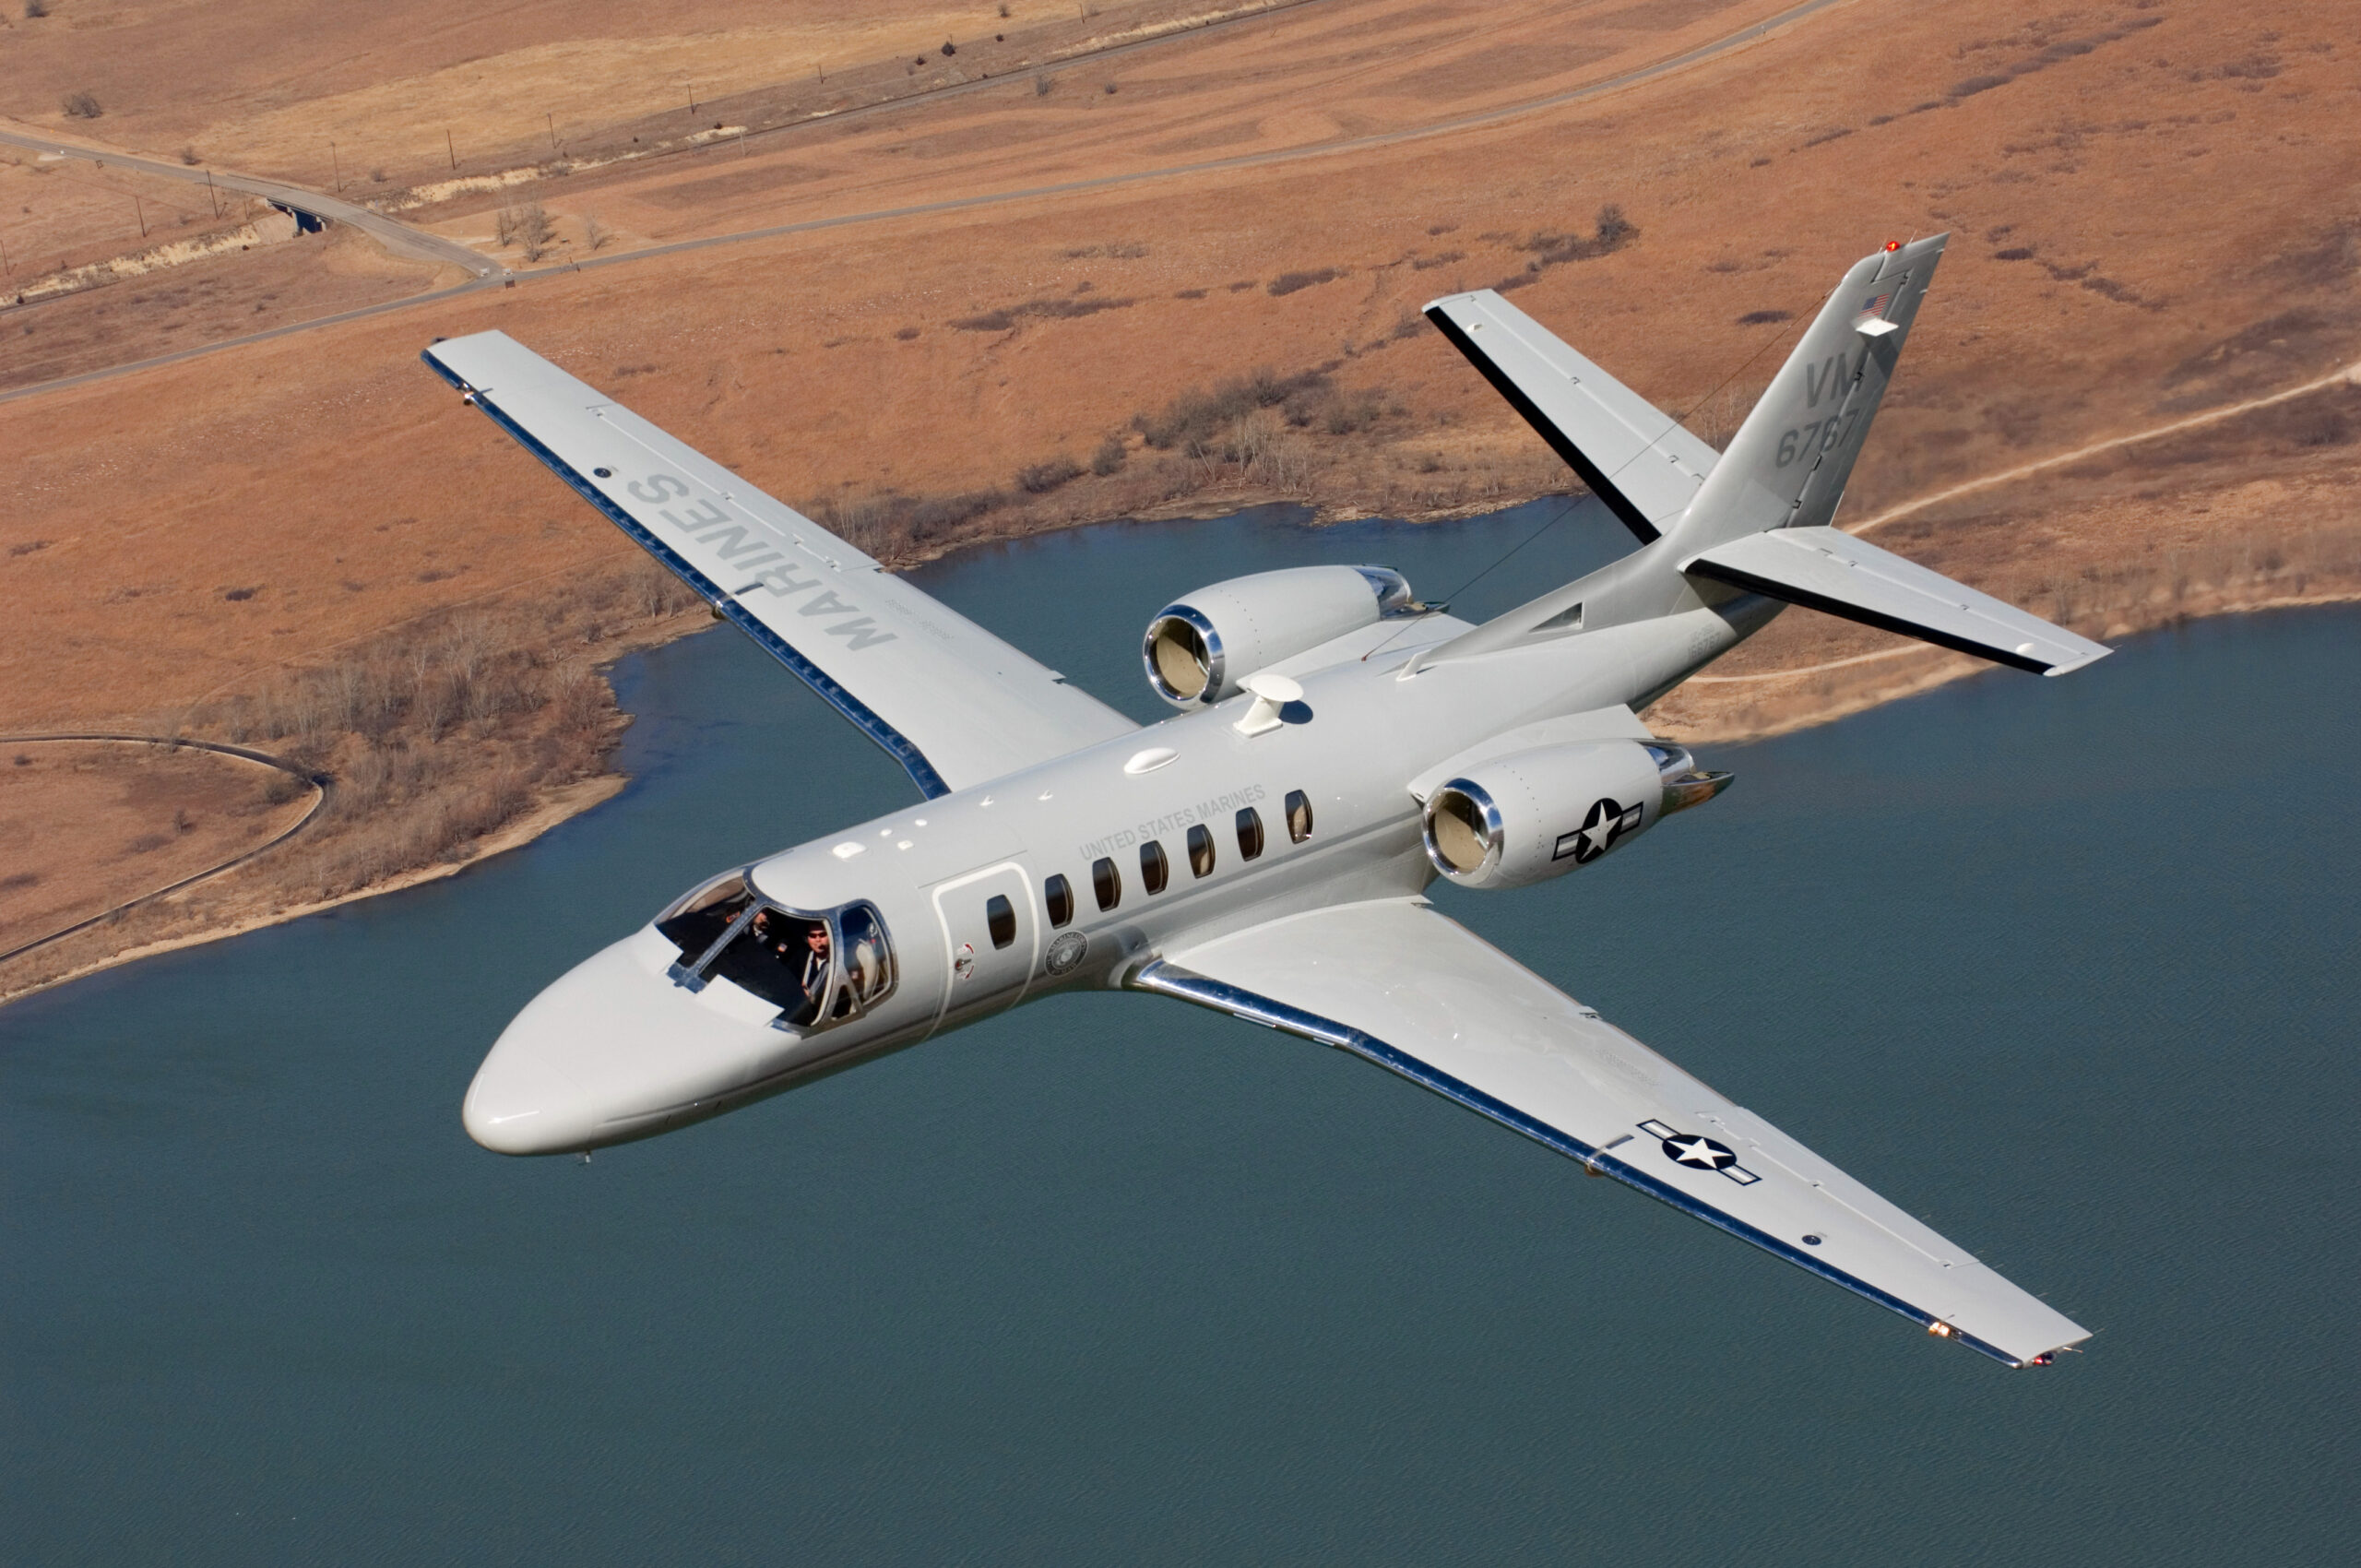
(1893, 245)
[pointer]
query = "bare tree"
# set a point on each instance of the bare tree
(504, 225)
(593, 233)
(533, 229)
(82, 106)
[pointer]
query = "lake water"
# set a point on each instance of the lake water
(2067, 966)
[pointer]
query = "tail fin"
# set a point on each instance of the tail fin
(1762, 520)
(1636, 459)
(1788, 464)
(1760, 515)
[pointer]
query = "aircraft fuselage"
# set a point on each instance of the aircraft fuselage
(627, 1045)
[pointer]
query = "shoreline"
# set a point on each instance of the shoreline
(574, 799)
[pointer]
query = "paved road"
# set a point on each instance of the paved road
(392, 233)
(1703, 51)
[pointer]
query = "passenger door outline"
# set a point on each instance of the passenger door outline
(1000, 976)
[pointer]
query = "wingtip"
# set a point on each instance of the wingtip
(2068, 666)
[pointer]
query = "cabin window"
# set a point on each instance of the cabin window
(1058, 895)
(1106, 882)
(1298, 815)
(999, 919)
(1153, 868)
(1201, 852)
(1249, 833)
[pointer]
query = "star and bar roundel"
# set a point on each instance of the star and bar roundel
(1698, 1152)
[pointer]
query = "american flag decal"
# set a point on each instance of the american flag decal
(1874, 307)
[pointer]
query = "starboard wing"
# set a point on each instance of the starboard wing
(949, 701)
(1419, 994)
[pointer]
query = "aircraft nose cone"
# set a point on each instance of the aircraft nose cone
(522, 1102)
(609, 1045)
(565, 1064)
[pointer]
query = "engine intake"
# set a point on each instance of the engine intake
(1516, 820)
(1199, 648)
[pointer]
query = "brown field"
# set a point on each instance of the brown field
(2153, 214)
(142, 818)
(60, 213)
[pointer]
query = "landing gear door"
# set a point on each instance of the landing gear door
(993, 938)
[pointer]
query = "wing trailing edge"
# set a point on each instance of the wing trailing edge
(1407, 987)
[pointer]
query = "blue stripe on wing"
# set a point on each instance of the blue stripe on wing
(896, 744)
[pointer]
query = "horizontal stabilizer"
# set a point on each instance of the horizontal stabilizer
(1823, 569)
(1634, 457)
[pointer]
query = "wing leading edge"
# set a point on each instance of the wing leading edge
(949, 701)
(1421, 995)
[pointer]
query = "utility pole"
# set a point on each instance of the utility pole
(693, 98)
(213, 195)
(550, 121)
(4, 262)
(141, 213)
(452, 148)
(335, 168)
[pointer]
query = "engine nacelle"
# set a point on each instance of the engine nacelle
(1198, 649)
(1510, 821)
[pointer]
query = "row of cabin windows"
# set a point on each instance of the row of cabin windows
(1156, 871)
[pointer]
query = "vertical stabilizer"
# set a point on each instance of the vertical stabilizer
(1788, 464)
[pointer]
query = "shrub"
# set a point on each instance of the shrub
(1039, 479)
(1041, 85)
(82, 106)
(1289, 282)
(1001, 320)
(36, 9)
(189, 157)
(1194, 420)
(1974, 85)
(1763, 317)
(1109, 457)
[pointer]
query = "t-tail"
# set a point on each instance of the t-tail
(1759, 517)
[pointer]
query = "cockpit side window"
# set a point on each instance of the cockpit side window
(865, 960)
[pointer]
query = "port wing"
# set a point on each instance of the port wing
(949, 701)
(1636, 459)
(1421, 995)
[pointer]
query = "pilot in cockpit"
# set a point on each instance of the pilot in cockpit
(815, 970)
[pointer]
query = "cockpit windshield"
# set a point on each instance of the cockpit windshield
(818, 968)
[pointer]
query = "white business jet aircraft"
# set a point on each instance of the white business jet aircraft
(1263, 852)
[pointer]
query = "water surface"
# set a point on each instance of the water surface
(2065, 966)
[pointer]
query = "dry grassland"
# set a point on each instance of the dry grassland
(2153, 209)
(297, 279)
(142, 817)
